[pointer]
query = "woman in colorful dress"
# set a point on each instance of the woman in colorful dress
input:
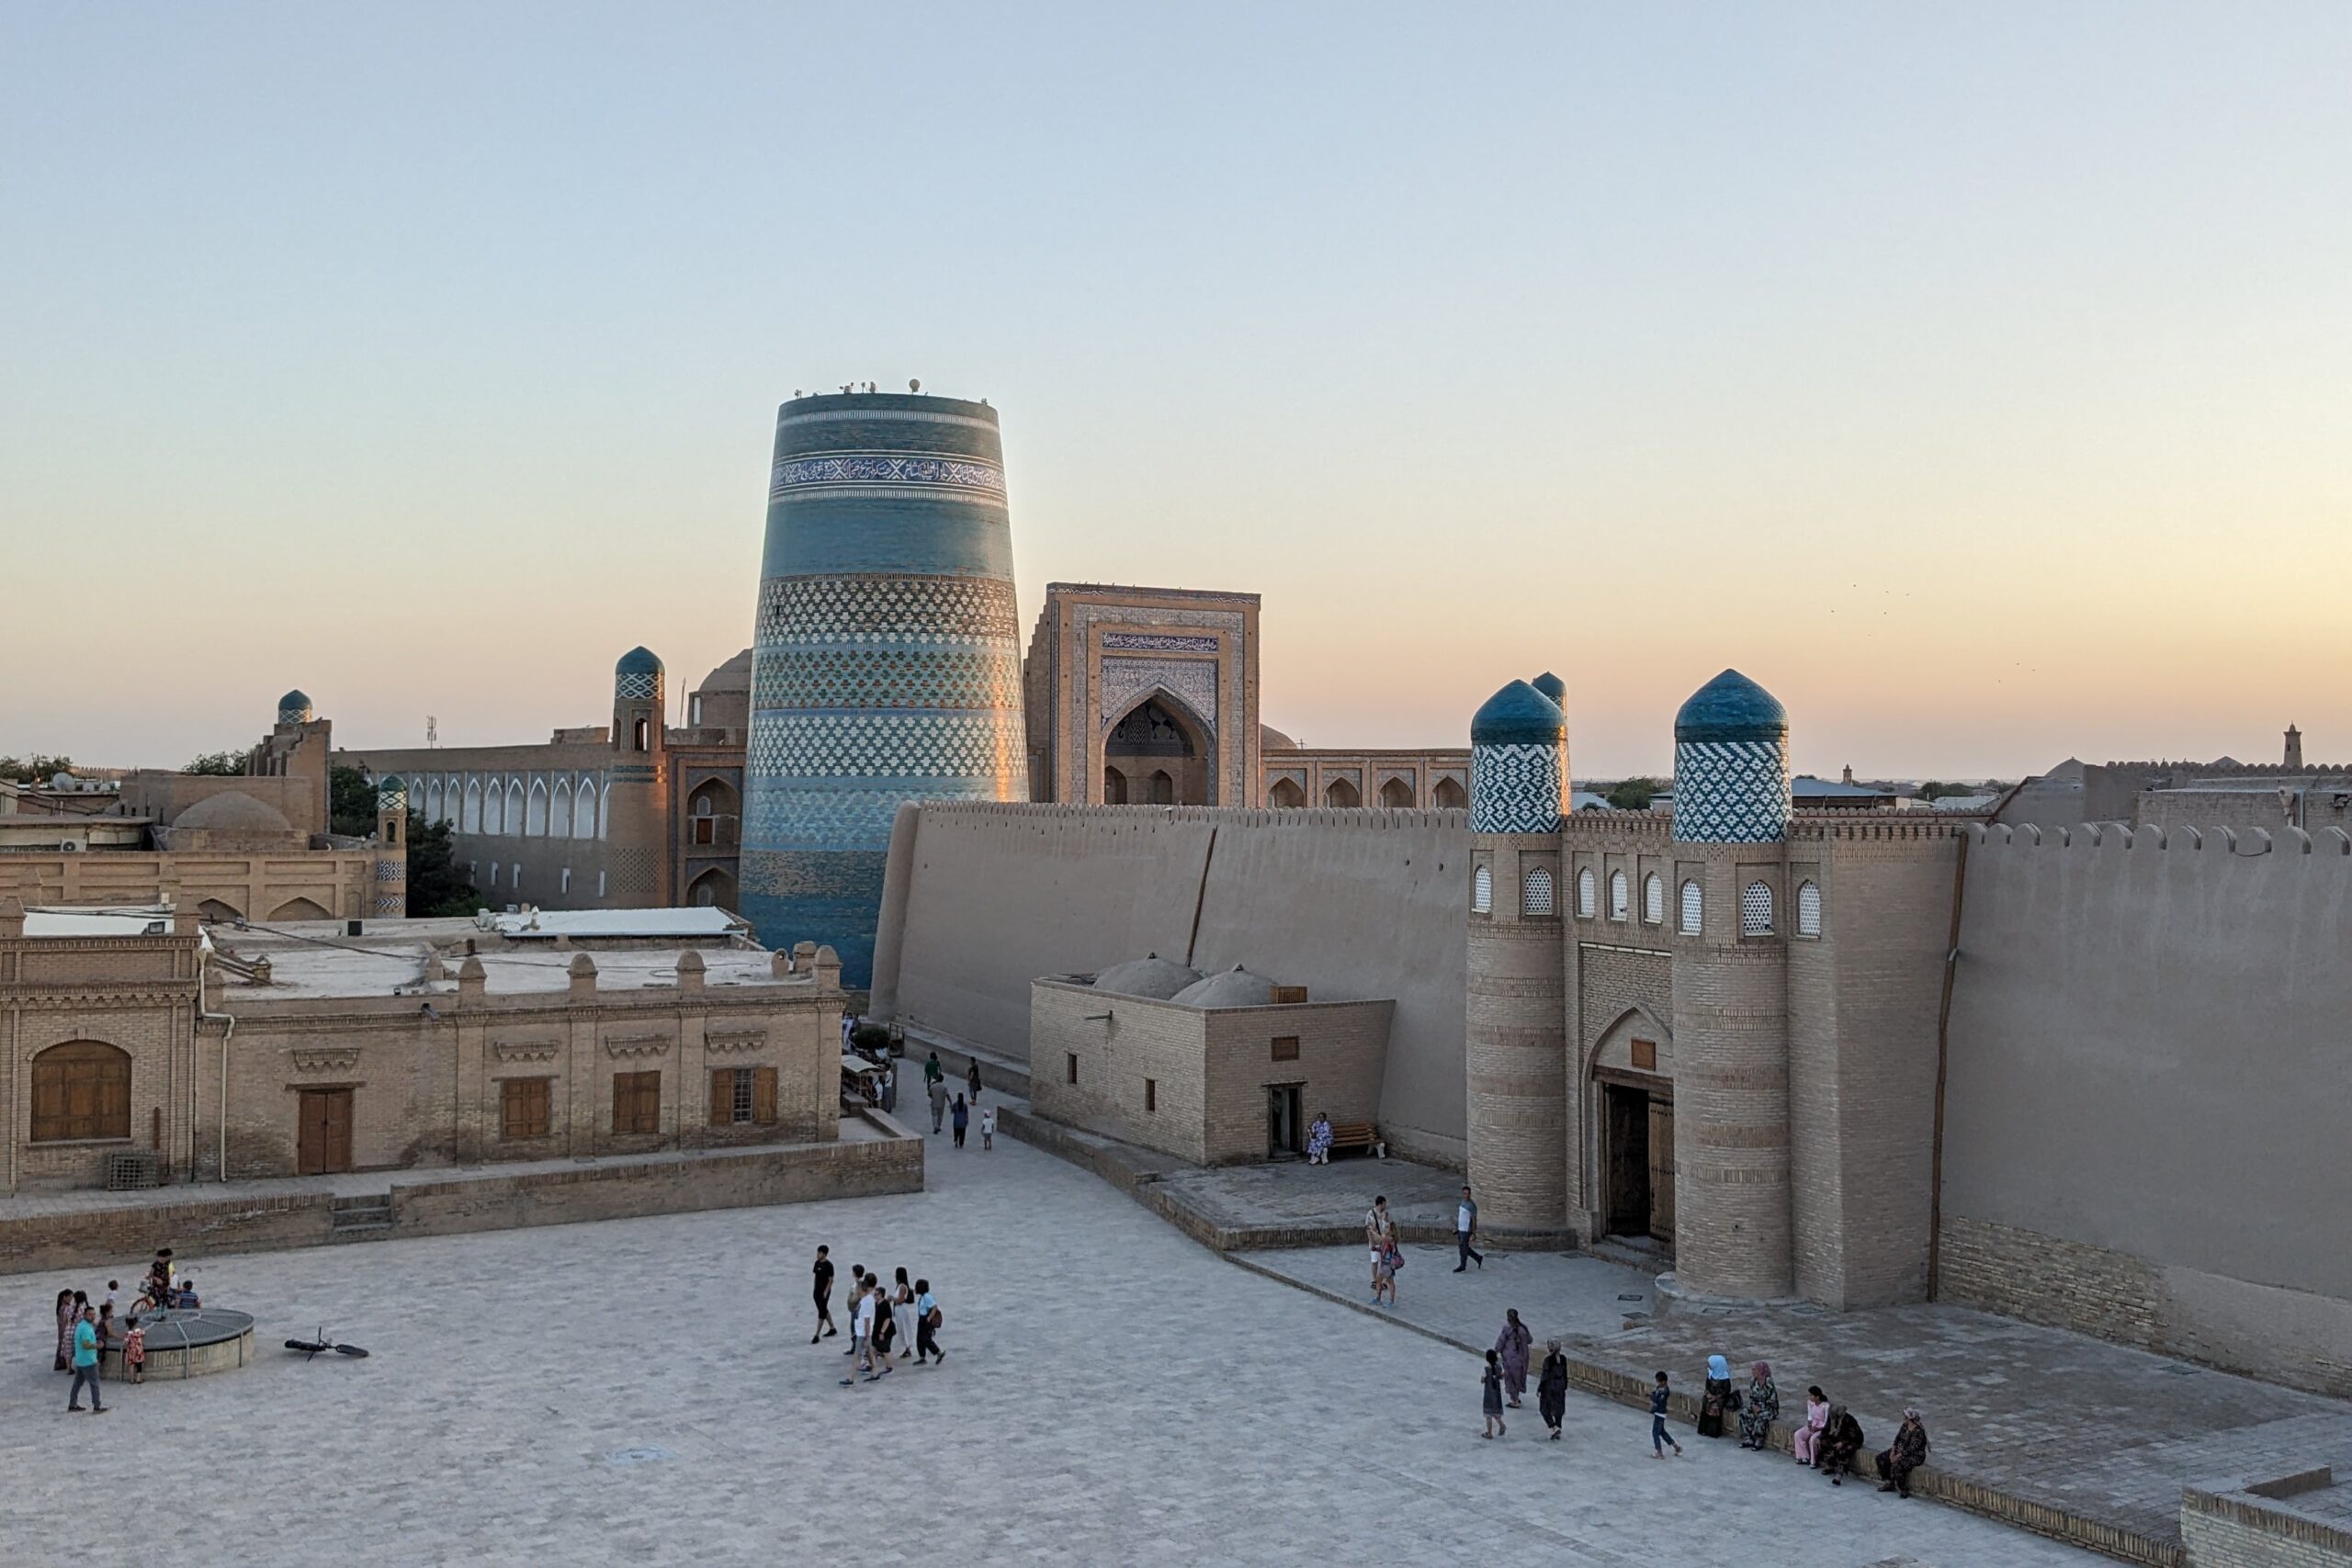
(64, 1331)
(1759, 1409)
(1513, 1345)
(1318, 1140)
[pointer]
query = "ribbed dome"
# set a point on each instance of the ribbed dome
(1552, 686)
(1236, 988)
(1519, 714)
(233, 811)
(1152, 975)
(638, 662)
(1732, 708)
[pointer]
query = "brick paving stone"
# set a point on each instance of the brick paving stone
(1114, 1394)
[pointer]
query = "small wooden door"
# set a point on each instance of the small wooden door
(1662, 1170)
(324, 1146)
(1281, 1120)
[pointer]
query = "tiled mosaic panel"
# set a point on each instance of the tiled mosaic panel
(828, 896)
(1516, 789)
(887, 678)
(1158, 642)
(394, 800)
(637, 685)
(1731, 792)
(788, 816)
(1756, 910)
(390, 870)
(882, 746)
(1193, 680)
(878, 608)
(887, 469)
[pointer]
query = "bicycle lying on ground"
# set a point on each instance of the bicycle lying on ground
(322, 1344)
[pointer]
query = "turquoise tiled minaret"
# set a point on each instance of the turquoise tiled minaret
(887, 662)
(1731, 764)
(1519, 762)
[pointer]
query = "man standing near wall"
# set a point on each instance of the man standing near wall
(1465, 1231)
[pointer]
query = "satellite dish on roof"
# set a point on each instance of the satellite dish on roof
(914, 385)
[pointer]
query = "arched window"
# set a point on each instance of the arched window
(1397, 793)
(472, 821)
(583, 816)
(535, 819)
(1585, 886)
(1654, 900)
(1621, 893)
(81, 1091)
(515, 805)
(433, 800)
(1808, 909)
(493, 808)
(1114, 787)
(559, 811)
(1756, 910)
(1482, 891)
(1446, 796)
(1537, 894)
(1690, 902)
(1286, 796)
(1343, 793)
(1163, 787)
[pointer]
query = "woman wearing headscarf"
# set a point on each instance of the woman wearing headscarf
(1841, 1439)
(1552, 1388)
(1513, 1345)
(1716, 1398)
(1909, 1452)
(1759, 1409)
(65, 1321)
(1816, 1417)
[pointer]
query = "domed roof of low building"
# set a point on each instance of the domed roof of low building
(1236, 988)
(1732, 708)
(1519, 714)
(1272, 739)
(1552, 686)
(639, 661)
(1150, 975)
(735, 675)
(232, 811)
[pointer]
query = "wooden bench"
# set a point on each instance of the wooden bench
(1359, 1136)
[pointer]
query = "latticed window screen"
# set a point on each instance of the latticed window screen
(1690, 902)
(1538, 898)
(1620, 893)
(1808, 909)
(1654, 898)
(1584, 892)
(1756, 910)
(1482, 891)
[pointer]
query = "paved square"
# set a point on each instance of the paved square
(643, 1391)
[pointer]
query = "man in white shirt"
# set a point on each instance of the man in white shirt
(863, 1343)
(1466, 1230)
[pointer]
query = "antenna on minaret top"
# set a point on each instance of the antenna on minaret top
(431, 731)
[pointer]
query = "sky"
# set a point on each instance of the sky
(1976, 377)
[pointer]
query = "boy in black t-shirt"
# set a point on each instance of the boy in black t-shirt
(824, 1288)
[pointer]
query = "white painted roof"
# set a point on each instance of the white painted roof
(708, 920)
(121, 921)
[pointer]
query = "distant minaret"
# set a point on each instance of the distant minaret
(2294, 748)
(391, 847)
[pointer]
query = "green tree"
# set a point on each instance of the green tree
(351, 802)
(436, 886)
(35, 769)
(220, 762)
(1632, 795)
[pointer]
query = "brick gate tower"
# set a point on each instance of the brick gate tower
(1515, 1028)
(1733, 1228)
(887, 664)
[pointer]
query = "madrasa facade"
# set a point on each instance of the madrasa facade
(887, 666)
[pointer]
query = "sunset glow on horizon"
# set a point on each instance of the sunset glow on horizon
(1973, 381)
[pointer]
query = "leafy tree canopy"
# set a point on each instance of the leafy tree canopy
(35, 769)
(436, 886)
(220, 762)
(351, 802)
(1632, 795)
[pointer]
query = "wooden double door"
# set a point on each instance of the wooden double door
(1637, 1153)
(323, 1143)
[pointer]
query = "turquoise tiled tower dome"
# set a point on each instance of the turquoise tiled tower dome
(1519, 762)
(1554, 688)
(392, 794)
(1731, 764)
(638, 676)
(294, 707)
(887, 662)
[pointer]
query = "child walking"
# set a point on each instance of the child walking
(134, 1351)
(1383, 1274)
(1491, 1380)
(1660, 1439)
(988, 1127)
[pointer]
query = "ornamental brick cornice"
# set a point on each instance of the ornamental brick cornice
(735, 1040)
(46, 1000)
(323, 1058)
(526, 1050)
(620, 1045)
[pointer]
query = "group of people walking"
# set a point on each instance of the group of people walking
(1829, 1438)
(959, 1114)
(1387, 1257)
(889, 1321)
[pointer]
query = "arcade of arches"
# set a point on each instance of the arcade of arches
(1157, 754)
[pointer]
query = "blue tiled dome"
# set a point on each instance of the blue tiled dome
(1732, 708)
(1552, 686)
(1519, 714)
(638, 662)
(297, 698)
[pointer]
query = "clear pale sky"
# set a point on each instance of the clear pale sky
(1977, 377)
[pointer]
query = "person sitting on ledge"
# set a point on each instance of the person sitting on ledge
(1841, 1439)
(1318, 1140)
(1909, 1452)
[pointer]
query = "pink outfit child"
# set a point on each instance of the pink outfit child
(1816, 1417)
